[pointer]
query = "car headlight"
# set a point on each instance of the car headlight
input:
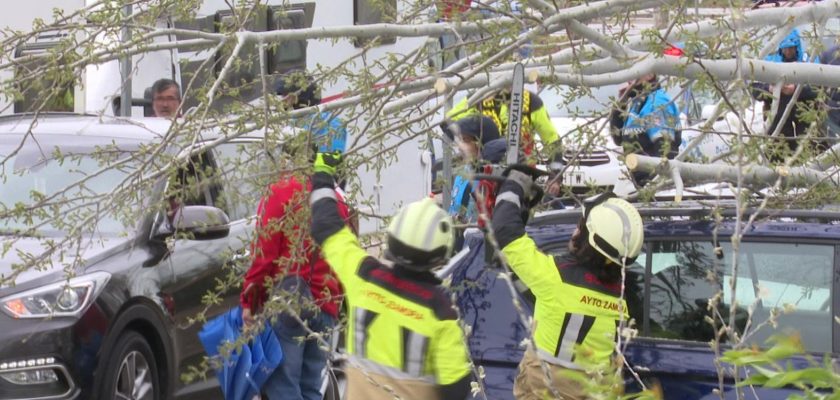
(62, 299)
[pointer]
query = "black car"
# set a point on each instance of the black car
(111, 318)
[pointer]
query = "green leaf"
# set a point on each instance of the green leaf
(816, 377)
(785, 347)
(754, 380)
(745, 357)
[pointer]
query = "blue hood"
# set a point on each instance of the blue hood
(791, 40)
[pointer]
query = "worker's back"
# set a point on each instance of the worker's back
(402, 332)
(403, 337)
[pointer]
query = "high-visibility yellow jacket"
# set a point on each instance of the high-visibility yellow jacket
(402, 328)
(535, 118)
(576, 314)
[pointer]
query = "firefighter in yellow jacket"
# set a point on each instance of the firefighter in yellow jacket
(402, 336)
(578, 303)
(535, 119)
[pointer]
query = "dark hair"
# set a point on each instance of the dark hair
(163, 84)
(587, 256)
(480, 127)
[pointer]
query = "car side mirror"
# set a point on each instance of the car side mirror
(198, 222)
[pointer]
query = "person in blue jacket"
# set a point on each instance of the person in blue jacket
(790, 50)
(646, 121)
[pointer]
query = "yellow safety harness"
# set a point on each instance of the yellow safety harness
(489, 108)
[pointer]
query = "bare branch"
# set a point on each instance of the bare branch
(695, 173)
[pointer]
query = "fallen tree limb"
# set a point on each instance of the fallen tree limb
(693, 174)
(829, 158)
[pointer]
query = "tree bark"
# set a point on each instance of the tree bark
(754, 175)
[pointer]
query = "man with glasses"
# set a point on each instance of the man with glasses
(166, 98)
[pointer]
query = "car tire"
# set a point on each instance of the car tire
(335, 382)
(130, 371)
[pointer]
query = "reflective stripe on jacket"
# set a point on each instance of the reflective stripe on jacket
(534, 118)
(576, 315)
(406, 325)
(401, 323)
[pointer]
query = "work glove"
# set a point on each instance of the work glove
(524, 176)
(327, 162)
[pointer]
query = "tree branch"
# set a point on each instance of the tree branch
(756, 175)
(599, 39)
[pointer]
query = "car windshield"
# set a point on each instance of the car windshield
(69, 173)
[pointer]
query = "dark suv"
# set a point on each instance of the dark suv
(788, 259)
(118, 325)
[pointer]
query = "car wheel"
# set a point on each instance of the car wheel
(335, 385)
(131, 372)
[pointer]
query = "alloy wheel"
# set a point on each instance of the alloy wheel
(134, 380)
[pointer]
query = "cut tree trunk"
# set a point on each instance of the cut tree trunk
(753, 175)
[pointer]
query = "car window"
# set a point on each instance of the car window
(791, 276)
(248, 171)
(71, 170)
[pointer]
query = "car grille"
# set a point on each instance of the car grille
(589, 159)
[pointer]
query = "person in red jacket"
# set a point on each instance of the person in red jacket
(285, 258)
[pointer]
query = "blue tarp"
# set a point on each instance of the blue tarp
(244, 372)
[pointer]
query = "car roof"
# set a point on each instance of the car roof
(144, 129)
(692, 218)
(89, 125)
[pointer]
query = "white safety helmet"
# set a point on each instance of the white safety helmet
(420, 236)
(615, 228)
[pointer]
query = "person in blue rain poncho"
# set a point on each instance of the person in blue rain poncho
(790, 50)
(646, 121)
